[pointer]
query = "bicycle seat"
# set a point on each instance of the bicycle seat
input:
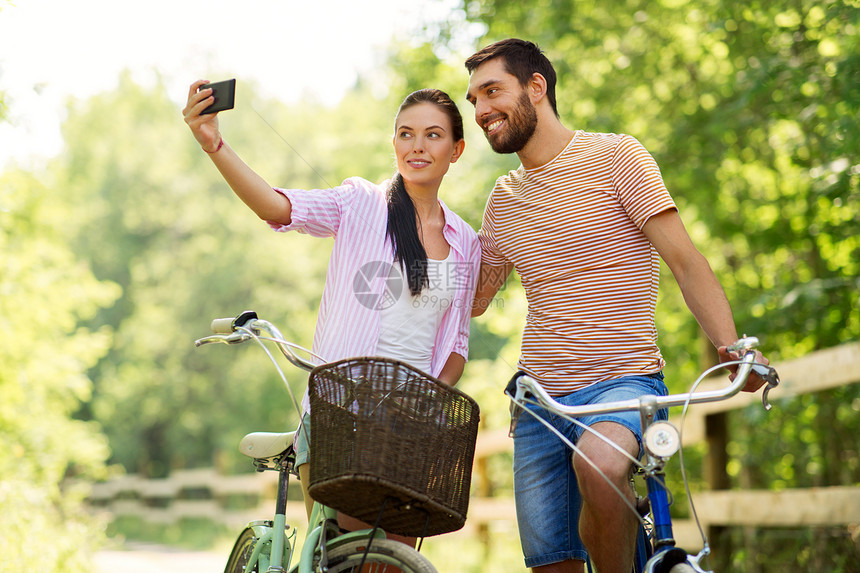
(259, 445)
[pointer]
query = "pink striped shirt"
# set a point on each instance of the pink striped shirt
(358, 284)
(573, 230)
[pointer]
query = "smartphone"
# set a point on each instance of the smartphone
(224, 93)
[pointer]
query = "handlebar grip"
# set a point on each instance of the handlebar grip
(745, 344)
(229, 325)
(222, 325)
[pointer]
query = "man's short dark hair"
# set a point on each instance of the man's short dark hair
(522, 59)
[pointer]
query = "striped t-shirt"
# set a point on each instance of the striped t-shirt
(573, 230)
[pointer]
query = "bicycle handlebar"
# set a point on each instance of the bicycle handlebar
(523, 384)
(247, 326)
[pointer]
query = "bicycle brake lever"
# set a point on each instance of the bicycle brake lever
(770, 376)
(233, 338)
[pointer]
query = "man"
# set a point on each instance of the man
(584, 220)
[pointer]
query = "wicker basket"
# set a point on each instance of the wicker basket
(383, 432)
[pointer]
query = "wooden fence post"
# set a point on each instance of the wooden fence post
(717, 478)
(484, 491)
(716, 459)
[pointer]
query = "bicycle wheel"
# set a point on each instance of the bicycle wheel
(242, 550)
(643, 550)
(385, 556)
(682, 568)
(675, 561)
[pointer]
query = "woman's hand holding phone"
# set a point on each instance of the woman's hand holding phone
(204, 101)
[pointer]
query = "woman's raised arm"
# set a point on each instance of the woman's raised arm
(252, 189)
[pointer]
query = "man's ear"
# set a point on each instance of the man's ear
(536, 87)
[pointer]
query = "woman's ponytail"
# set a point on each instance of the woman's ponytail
(402, 231)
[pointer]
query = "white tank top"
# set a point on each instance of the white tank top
(407, 328)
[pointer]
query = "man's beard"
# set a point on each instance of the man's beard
(520, 126)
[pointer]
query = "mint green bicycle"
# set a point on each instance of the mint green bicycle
(370, 415)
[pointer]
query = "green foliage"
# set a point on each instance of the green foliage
(185, 251)
(45, 293)
(750, 110)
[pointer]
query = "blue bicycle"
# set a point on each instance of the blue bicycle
(656, 551)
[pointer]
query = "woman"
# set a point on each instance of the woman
(403, 268)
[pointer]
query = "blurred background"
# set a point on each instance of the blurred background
(119, 242)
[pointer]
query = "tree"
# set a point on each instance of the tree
(749, 109)
(151, 215)
(186, 250)
(45, 292)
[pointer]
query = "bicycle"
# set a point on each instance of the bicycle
(347, 388)
(655, 548)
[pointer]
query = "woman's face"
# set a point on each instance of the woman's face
(424, 146)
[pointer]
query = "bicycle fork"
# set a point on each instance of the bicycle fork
(659, 500)
(658, 496)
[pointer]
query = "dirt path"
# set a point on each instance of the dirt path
(136, 557)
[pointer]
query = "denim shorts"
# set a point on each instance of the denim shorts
(545, 488)
(301, 442)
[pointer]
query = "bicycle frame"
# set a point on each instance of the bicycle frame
(322, 518)
(659, 445)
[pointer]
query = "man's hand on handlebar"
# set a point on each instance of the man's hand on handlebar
(755, 380)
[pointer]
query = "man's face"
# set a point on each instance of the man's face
(502, 107)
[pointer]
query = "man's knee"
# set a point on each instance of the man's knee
(597, 459)
(594, 473)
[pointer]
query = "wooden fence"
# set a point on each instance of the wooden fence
(826, 506)
(226, 499)
(198, 493)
